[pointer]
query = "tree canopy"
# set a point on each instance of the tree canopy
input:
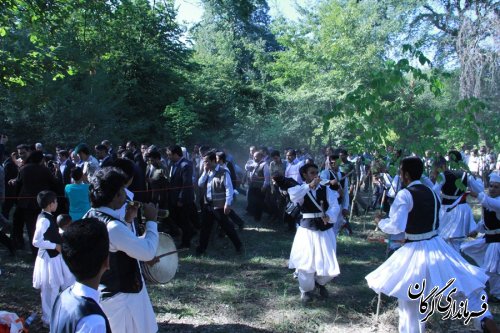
(412, 73)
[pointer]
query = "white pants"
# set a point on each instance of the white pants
(307, 280)
(48, 296)
(409, 317)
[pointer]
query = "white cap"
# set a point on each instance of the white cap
(494, 177)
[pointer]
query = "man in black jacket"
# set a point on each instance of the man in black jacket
(33, 178)
(138, 159)
(63, 168)
(181, 193)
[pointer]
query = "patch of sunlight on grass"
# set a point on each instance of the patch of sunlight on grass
(259, 229)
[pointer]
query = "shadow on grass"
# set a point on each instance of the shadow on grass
(188, 328)
(259, 281)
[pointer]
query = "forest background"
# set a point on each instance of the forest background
(416, 74)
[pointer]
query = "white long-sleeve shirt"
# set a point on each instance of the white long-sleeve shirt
(292, 170)
(398, 215)
(227, 184)
(297, 194)
(122, 237)
(42, 224)
(490, 203)
(394, 186)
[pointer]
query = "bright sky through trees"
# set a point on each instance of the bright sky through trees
(190, 11)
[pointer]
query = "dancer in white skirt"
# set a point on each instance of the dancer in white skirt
(50, 274)
(424, 257)
(486, 250)
(456, 221)
(124, 298)
(313, 250)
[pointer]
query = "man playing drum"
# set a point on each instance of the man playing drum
(124, 298)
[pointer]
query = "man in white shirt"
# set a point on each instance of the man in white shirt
(90, 163)
(425, 261)
(293, 166)
(123, 292)
(217, 192)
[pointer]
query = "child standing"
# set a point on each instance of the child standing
(78, 195)
(50, 273)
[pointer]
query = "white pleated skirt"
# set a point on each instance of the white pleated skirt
(51, 272)
(432, 260)
(486, 255)
(314, 252)
(459, 222)
(130, 313)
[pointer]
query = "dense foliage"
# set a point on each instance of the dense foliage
(352, 73)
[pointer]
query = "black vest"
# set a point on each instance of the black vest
(69, 309)
(52, 233)
(449, 188)
(424, 216)
(124, 274)
(309, 207)
(491, 222)
(257, 179)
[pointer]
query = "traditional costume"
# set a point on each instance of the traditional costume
(124, 298)
(456, 220)
(425, 256)
(313, 250)
(77, 309)
(486, 250)
(50, 274)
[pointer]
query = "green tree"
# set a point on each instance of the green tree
(103, 69)
(232, 44)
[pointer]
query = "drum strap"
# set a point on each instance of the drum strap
(128, 225)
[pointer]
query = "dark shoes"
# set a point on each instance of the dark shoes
(308, 296)
(323, 293)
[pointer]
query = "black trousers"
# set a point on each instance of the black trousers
(181, 217)
(236, 219)
(6, 241)
(209, 215)
(256, 202)
(24, 216)
(7, 206)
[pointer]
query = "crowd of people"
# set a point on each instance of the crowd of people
(421, 204)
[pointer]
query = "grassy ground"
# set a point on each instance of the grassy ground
(252, 292)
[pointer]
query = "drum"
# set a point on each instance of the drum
(164, 270)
